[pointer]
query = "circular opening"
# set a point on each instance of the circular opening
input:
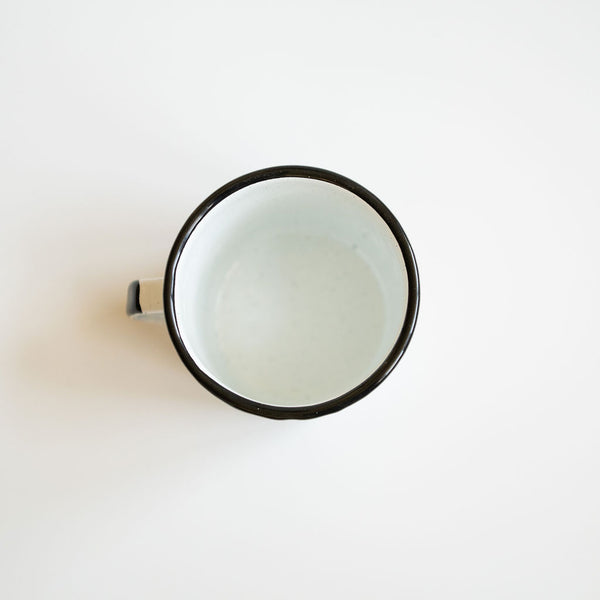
(288, 292)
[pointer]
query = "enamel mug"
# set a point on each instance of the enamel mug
(290, 292)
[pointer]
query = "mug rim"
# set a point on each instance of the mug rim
(349, 397)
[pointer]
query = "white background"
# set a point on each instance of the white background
(472, 472)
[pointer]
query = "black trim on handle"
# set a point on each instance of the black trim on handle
(133, 306)
(361, 390)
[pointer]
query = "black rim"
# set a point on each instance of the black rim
(384, 369)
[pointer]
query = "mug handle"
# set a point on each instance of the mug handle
(145, 299)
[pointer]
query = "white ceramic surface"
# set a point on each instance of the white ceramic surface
(290, 292)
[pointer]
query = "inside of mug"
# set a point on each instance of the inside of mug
(290, 292)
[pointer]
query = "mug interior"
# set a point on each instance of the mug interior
(290, 292)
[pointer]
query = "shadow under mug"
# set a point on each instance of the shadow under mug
(290, 292)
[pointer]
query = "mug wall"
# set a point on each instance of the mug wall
(290, 291)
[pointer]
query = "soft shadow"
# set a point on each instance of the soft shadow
(97, 351)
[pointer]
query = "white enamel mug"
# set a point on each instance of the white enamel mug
(290, 292)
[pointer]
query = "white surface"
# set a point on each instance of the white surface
(472, 472)
(290, 291)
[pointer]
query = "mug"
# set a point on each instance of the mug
(290, 292)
